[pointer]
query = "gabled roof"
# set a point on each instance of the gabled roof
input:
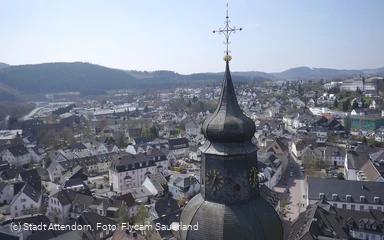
(65, 196)
(140, 140)
(370, 171)
(30, 191)
(19, 150)
(342, 188)
(178, 143)
(128, 199)
(167, 221)
(78, 146)
(77, 172)
(30, 175)
(356, 160)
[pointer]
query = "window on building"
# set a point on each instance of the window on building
(23, 207)
(32, 206)
(23, 200)
(370, 207)
(344, 206)
(353, 207)
(361, 207)
(335, 205)
(379, 208)
(16, 208)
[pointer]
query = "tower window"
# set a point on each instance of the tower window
(236, 188)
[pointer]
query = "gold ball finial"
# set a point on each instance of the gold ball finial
(227, 58)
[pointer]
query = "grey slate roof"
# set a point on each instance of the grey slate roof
(323, 221)
(18, 150)
(167, 221)
(166, 206)
(355, 189)
(65, 196)
(356, 160)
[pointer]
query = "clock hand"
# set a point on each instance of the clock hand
(213, 181)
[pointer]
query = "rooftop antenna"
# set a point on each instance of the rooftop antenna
(227, 30)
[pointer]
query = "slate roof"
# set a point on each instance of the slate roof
(31, 192)
(140, 140)
(178, 143)
(322, 220)
(78, 146)
(158, 181)
(269, 195)
(77, 172)
(369, 149)
(166, 206)
(65, 197)
(93, 219)
(167, 221)
(128, 199)
(30, 175)
(50, 234)
(129, 161)
(83, 202)
(19, 150)
(355, 189)
(331, 151)
(356, 160)
(8, 236)
(8, 174)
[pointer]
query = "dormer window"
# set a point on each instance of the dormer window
(362, 198)
(368, 226)
(321, 195)
(377, 199)
(374, 226)
(334, 196)
(349, 198)
(361, 225)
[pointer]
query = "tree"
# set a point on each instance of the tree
(120, 140)
(142, 215)
(340, 176)
(347, 124)
(68, 136)
(122, 214)
(365, 140)
(146, 108)
(189, 103)
(47, 161)
(355, 105)
(194, 99)
(335, 103)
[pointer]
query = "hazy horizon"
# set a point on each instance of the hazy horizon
(177, 36)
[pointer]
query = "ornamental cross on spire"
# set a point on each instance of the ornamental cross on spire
(227, 32)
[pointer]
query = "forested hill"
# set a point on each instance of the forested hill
(3, 65)
(86, 77)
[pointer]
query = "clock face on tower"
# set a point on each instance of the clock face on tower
(253, 177)
(214, 180)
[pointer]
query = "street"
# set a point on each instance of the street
(294, 199)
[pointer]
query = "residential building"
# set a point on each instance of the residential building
(179, 146)
(60, 203)
(324, 221)
(27, 201)
(347, 194)
(354, 161)
(183, 185)
(334, 156)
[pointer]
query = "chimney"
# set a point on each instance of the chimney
(363, 186)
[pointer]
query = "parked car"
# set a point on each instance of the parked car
(291, 174)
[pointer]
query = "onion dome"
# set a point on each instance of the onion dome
(228, 124)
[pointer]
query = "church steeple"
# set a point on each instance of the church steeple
(228, 124)
(229, 205)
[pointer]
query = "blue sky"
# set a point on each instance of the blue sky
(177, 35)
